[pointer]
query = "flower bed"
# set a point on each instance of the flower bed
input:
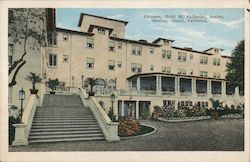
(179, 119)
(232, 116)
(128, 127)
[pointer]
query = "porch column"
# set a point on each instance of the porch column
(137, 110)
(223, 88)
(209, 88)
(194, 87)
(177, 89)
(158, 84)
(138, 83)
(122, 108)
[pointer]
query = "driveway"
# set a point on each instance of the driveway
(209, 135)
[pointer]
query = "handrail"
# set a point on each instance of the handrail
(29, 112)
(109, 128)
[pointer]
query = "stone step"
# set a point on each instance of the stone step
(63, 118)
(69, 129)
(64, 115)
(66, 132)
(65, 126)
(63, 123)
(66, 139)
(56, 136)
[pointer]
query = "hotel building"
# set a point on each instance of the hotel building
(141, 74)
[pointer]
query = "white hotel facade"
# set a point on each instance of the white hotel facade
(141, 74)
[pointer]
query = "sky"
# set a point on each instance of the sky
(199, 29)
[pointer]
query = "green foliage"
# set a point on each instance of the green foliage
(235, 68)
(12, 121)
(33, 78)
(215, 103)
(52, 83)
(128, 127)
(90, 82)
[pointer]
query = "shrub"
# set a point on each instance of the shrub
(158, 112)
(128, 127)
(12, 121)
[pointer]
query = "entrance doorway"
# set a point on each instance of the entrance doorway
(144, 112)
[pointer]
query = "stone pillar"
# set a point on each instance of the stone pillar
(209, 88)
(177, 86)
(137, 110)
(20, 135)
(194, 87)
(223, 88)
(158, 85)
(122, 108)
(138, 83)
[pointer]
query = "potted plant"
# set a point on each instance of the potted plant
(52, 83)
(33, 78)
(90, 82)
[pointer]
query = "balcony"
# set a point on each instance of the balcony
(168, 93)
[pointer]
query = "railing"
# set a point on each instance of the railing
(64, 90)
(201, 94)
(185, 93)
(22, 130)
(109, 128)
(168, 93)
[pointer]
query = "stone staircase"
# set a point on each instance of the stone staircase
(64, 118)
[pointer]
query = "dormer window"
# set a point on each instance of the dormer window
(114, 35)
(66, 37)
(90, 42)
(101, 31)
(111, 46)
(166, 42)
(216, 51)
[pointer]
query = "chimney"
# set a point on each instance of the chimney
(188, 48)
(143, 40)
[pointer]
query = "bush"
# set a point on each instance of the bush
(128, 127)
(12, 121)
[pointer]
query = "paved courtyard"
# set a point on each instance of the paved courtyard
(211, 135)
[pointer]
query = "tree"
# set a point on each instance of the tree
(33, 78)
(26, 25)
(235, 68)
(90, 82)
(52, 83)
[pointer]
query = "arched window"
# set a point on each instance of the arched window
(100, 84)
(111, 84)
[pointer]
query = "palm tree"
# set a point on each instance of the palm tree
(90, 82)
(33, 78)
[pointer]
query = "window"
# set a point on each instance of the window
(216, 51)
(52, 59)
(111, 46)
(136, 50)
(166, 42)
(114, 35)
(163, 69)
(10, 54)
(182, 56)
(119, 45)
(90, 42)
(66, 37)
(169, 55)
(168, 70)
(151, 50)
(191, 56)
(203, 73)
(139, 50)
(216, 75)
(136, 68)
(216, 62)
(191, 71)
(101, 31)
(111, 65)
(90, 63)
(65, 58)
(119, 64)
(151, 67)
(203, 60)
(52, 38)
(181, 71)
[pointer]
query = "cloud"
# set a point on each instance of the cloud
(119, 16)
(230, 24)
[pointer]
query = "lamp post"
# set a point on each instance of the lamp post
(112, 100)
(21, 97)
(82, 80)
